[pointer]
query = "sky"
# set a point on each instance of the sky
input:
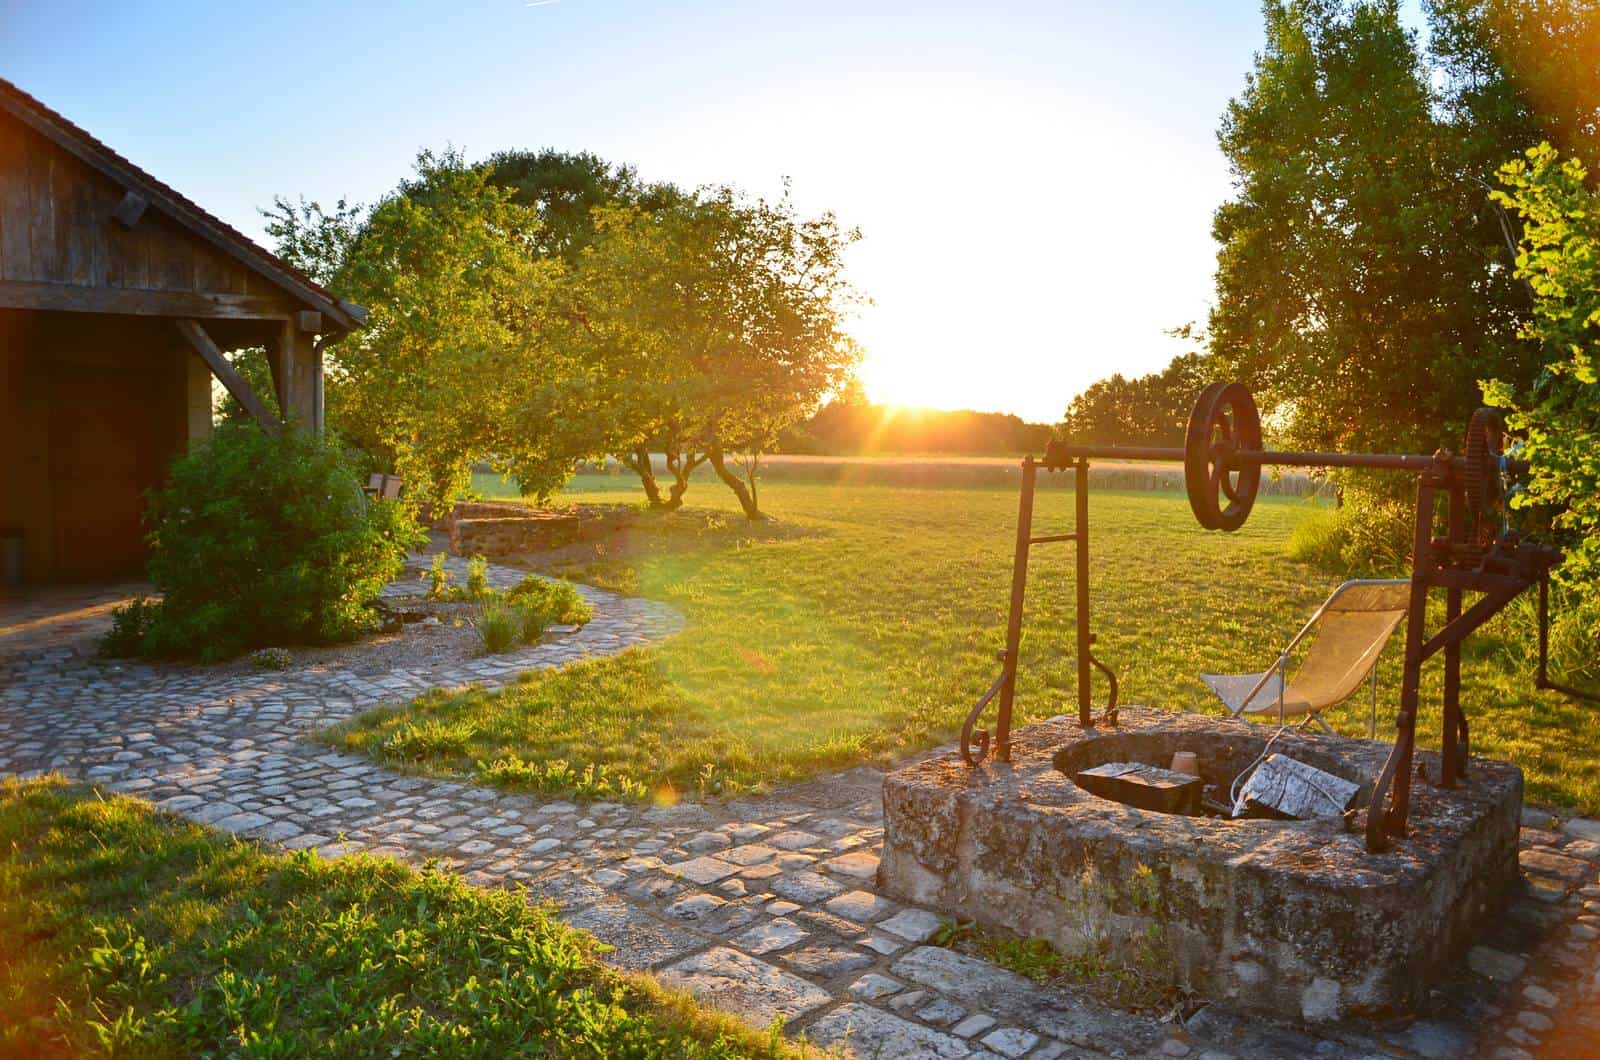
(1034, 182)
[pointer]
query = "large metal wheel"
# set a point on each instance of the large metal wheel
(1221, 488)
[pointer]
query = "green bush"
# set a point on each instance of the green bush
(1559, 419)
(1367, 536)
(558, 601)
(129, 624)
(263, 540)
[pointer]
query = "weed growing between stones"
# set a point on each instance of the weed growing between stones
(559, 777)
(438, 578)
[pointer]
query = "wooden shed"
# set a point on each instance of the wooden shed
(118, 297)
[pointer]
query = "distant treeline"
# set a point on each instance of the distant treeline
(1145, 410)
(858, 427)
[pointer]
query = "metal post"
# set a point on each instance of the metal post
(1019, 584)
(1411, 683)
(1453, 729)
(1372, 720)
(1080, 502)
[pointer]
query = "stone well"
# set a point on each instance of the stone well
(1290, 918)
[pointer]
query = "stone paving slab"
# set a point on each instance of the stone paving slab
(766, 906)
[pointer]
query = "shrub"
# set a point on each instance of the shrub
(129, 624)
(498, 628)
(558, 601)
(270, 659)
(261, 539)
(1559, 257)
(1369, 535)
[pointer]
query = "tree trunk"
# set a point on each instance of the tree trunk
(747, 499)
(639, 463)
(681, 468)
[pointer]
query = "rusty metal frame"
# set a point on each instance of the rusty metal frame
(1500, 571)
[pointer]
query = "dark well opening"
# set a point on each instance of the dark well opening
(1221, 758)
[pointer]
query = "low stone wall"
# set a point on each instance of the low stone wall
(1291, 918)
(490, 529)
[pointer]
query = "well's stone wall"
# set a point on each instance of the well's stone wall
(1292, 918)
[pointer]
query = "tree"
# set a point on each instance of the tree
(718, 322)
(1362, 282)
(1559, 415)
(456, 300)
(1520, 71)
(566, 188)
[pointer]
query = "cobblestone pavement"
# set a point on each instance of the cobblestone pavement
(763, 907)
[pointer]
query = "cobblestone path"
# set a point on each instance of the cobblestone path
(763, 907)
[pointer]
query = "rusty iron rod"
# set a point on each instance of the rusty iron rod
(1277, 458)
(1080, 503)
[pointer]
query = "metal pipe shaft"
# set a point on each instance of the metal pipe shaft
(1276, 458)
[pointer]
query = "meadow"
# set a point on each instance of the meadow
(863, 623)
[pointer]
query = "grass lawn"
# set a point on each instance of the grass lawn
(871, 626)
(126, 932)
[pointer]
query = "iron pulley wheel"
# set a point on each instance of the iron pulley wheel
(1221, 488)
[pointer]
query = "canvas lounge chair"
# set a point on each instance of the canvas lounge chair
(1352, 628)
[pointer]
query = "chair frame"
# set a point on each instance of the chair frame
(1281, 667)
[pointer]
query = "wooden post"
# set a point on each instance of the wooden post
(196, 336)
(296, 375)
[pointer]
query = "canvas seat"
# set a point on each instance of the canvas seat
(1352, 627)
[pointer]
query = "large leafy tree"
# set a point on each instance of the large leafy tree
(456, 298)
(566, 188)
(1363, 284)
(1520, 72)
(713, 323)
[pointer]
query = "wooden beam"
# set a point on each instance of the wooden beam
(231, 379)
(207, 305)
(130, 209)
(308, 321)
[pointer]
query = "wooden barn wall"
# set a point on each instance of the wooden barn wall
(56, 227)
(93, 409)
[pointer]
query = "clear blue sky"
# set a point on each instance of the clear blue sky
(1034, 180)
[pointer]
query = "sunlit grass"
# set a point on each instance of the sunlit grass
(870, 633)
(126, 932)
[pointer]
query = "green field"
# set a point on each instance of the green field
(865, 623)
(125, 932)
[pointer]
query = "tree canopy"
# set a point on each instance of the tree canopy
(541, 308)
(715, 322)
(1363, 284)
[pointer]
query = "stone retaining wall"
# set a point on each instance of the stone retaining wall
(490, 529)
